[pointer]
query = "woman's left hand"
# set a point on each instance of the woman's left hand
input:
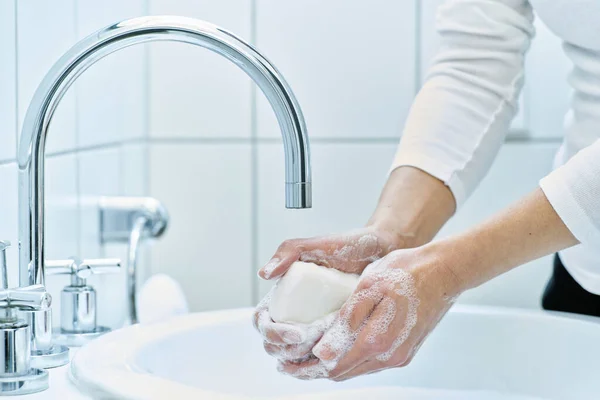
(398, 302)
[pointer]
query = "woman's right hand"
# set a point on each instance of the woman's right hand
(351, 252)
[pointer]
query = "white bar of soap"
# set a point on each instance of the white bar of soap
(308, 292)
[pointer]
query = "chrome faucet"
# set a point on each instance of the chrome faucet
(33, 138)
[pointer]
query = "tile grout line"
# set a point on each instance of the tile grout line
(85, 149)
(16, 86)
(254, 286)
(516, 135)
(77, 142)
(145, 143)
(418, 45)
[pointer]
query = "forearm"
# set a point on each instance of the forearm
(413, 207)
(529, 229)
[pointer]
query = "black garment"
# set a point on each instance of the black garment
(563, 293)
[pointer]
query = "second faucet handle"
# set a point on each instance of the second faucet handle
(78, 300)
(80, 270)
(32, 297)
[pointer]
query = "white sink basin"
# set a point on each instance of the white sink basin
(476, 353)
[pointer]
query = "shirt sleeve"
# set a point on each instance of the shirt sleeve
(460, 117)
(573, 190)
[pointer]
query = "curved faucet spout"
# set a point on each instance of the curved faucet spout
(115, 37)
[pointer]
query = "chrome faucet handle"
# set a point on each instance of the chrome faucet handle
(81, 270)
(78, 300)
(32, 298)
(16, 374)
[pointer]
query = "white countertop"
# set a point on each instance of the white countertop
(60, 386)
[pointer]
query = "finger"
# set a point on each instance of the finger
(314, 250)
(279, 264)
(271, 349)
(283, 334)
(261, 312)
(278, 333)
(367, 367)
(361, 304)
(309, 369)
(294, 353)
(352, 317)
(374, 338)
(396, 351)
(373, 365)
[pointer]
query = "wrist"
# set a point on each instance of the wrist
(413, 207)
(441, 259)
(392, 233)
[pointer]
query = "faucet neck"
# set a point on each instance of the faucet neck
(93, 48)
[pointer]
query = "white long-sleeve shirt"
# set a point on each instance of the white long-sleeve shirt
(462, 114)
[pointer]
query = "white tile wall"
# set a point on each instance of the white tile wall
(100, 175)
(347, 180)
(8, 94)
(206, 189)
(111, 95)
(62, 219)
(194, 92)
(134, 171)
(350, 63)
(62, 207)
(45, 30)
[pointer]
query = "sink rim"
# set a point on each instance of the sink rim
(119, 376)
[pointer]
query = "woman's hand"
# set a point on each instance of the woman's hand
(412, 208)
(350, 252)
(398, 302)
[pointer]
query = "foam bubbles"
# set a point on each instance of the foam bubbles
(404, 286)
(364, 249)
(384, 320)
(359, 249)
(311, 334)
(340, 338)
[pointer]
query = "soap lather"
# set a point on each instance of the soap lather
(308, 292)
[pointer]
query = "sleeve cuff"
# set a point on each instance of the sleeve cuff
(435, 169)
(557, 189)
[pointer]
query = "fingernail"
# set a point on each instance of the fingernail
(267, 270)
